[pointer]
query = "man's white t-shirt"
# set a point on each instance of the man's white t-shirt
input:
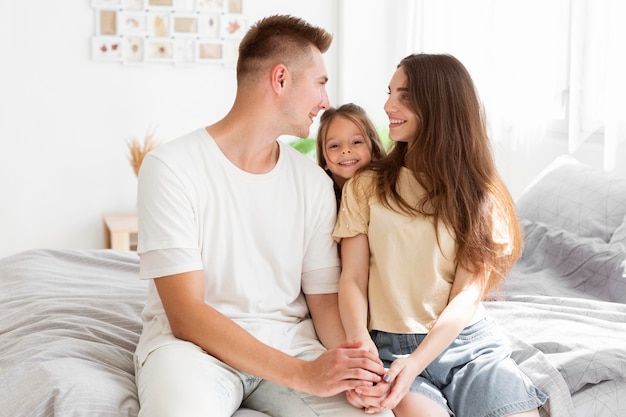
(262, 240)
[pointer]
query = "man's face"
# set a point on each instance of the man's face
(307, 95)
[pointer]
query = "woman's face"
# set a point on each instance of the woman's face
(345, 149)
(403, 122)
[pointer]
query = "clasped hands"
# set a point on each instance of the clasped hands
(354, 368)
(381, 389)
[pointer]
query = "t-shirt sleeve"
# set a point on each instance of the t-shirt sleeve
(321, 265)
(166, 222)
(354, 211)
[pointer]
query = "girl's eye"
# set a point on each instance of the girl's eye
(331, 146)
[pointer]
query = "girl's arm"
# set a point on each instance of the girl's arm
(465, 296)
(353, 304)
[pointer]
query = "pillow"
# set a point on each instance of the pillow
(619, 236)
(572, 265)
(576, 197)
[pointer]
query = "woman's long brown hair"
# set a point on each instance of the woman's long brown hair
(452, 159)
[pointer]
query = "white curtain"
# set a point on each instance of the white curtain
(541, 67)
(597, 100)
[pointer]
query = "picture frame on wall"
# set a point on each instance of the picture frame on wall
(209, 25)
(185, 5)
(209, 52)
(184, 51)
(233, 26)
(235, 6)
(133, 4)
(107, 22)
(210, 5)
(159, 50)
(159, 24)
(106, 48)
(163, 4)
(133, 23)
(183, 32)
(134, 49)
(185, 25)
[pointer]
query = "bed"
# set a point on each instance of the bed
(70, 319)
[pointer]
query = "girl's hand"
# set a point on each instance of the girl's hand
(401, 375)
(368, 344)
(369, 397)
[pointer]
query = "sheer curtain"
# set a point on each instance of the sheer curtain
(597, 76)
(543, 68)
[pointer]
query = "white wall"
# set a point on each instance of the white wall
(64, 119)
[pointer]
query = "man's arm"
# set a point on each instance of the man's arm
(191, 319)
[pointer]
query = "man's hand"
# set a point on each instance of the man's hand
(343, 368)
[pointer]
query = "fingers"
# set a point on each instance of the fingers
(354, 399)
(371, 403)
(389, 376)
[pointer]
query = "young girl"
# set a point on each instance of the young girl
(346, 141)
(426, 232)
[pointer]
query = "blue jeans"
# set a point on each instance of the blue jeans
(474, 377)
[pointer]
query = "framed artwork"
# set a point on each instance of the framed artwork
(106, 48)
(235, 6)
(210, 5)
(133, 5)
(182, 32)
(106, 22)
(185, 5)
(158, 50)
(210, 51)
(161, 3)
(133, 23)
(159, 24)
(184, 51)
(184, 25)
(209, 25)
(233, 26)
(133, 49)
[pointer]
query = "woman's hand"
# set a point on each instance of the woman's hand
(400, 376)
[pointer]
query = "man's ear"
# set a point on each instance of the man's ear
(279, 77)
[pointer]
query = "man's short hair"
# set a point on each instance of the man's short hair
(278, 38)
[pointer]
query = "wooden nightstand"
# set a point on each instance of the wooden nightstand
(120, 230)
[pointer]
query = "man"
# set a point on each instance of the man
(235, 235)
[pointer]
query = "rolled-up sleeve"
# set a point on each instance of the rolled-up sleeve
(354, 212)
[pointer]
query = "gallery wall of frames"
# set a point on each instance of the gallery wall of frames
(178, 32)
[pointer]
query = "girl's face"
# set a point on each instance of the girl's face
(403, 122)
(345, 149)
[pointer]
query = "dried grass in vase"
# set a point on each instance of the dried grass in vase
(139, 150)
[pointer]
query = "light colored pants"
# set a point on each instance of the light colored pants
(182, 380)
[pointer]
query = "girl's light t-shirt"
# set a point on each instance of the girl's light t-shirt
(411, 274)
